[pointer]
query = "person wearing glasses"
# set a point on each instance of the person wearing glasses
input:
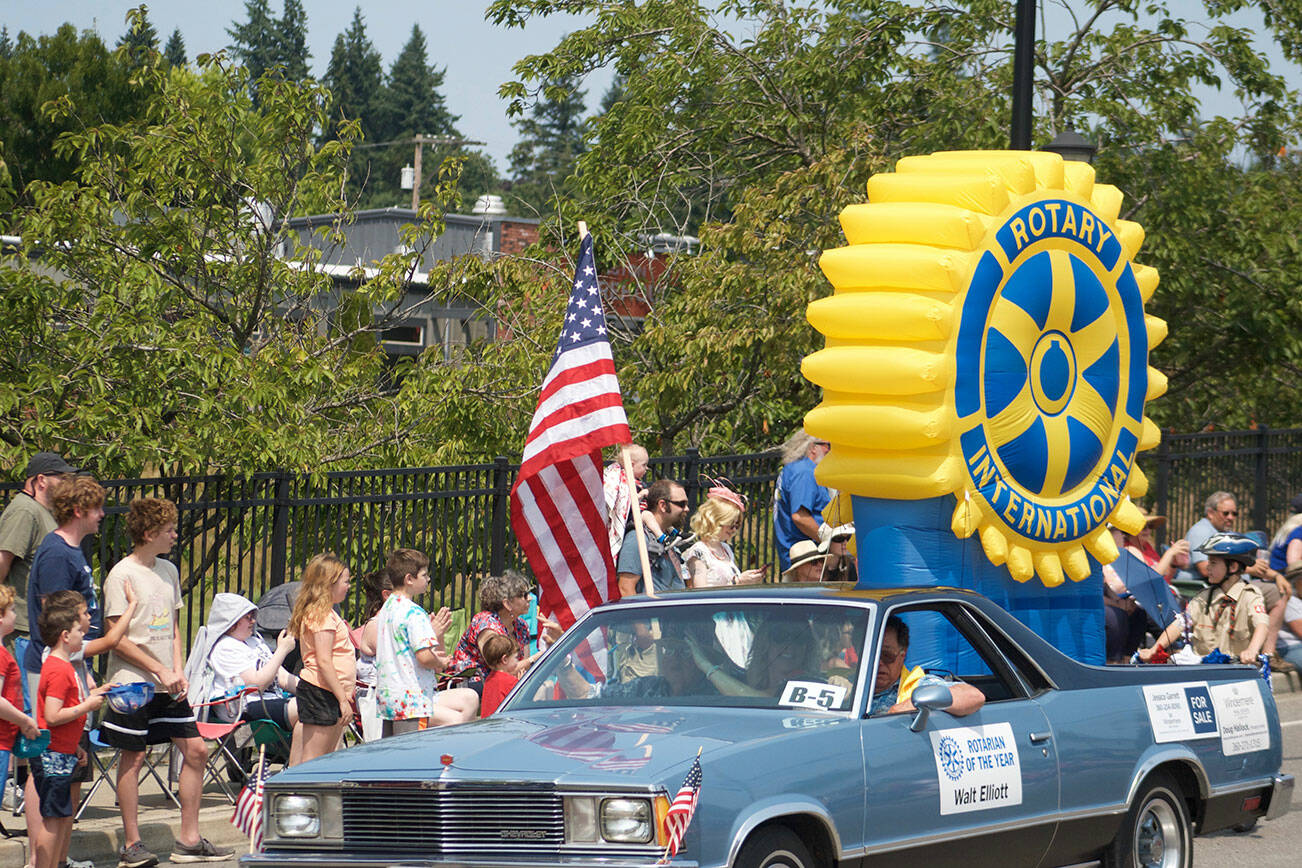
(894, 684)
(798, 499)
(662, 521)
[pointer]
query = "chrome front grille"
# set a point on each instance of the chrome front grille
(455, 819)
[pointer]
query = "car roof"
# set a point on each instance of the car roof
(821, 591)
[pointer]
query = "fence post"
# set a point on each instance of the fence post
(691, 473)
(1260, 496)
(1161, 494)
(280, 528)
(501, 495)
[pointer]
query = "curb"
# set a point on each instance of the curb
(98, 839)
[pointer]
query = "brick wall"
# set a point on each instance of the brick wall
(517, 236)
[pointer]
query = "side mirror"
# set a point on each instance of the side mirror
(933, 697)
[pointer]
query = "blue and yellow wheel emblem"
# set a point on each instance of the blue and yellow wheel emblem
(987, 338)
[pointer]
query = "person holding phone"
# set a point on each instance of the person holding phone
(710, 560)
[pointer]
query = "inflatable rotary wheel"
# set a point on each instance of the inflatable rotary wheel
(987, 339)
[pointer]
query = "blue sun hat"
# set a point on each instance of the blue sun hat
(129, 697)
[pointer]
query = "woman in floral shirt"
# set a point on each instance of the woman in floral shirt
(502, 599)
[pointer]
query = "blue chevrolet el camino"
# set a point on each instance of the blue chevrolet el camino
(1064, 764)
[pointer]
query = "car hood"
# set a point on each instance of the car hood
(636, 745)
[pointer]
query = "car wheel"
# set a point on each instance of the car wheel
(774, 847)
(1156, 832)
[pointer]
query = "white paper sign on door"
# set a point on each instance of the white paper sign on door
(1242, 716)
(978, 768)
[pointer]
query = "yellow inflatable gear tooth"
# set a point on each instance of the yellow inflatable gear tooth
(1075, 563)
(910, 267)
(1128, 517)
(906, 222)
(1106, 202)
(1151, 436)
(891, 427)
(1137, 485)
(1146, 278)
(1131, 236)
(882, 316)
(1020, 565)
(884, 370)
(964, 521)
(1046, 167)
(1078, 179)
(994, 543)
(983, 193)
(1157, 383)
(1100, 544)
(1017, 176)
(901, 475)
(1048, 567)
(1157, 330)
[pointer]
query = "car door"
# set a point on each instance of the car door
(984, 783)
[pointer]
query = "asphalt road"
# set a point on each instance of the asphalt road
(1276, 844)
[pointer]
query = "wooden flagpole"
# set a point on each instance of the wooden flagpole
(632, 491)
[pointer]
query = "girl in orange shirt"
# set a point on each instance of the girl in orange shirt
(329, 675)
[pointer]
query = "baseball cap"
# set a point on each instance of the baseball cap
(47, 462)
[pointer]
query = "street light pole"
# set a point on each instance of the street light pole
(1023, 74)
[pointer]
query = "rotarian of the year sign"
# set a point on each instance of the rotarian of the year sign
(978, 768)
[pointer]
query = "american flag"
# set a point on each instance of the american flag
(558, 509)
(680, 812)
(248, 807)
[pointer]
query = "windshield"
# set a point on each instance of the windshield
(711, 654)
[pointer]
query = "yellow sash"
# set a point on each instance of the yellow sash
(909, 679)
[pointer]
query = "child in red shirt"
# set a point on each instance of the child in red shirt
(61, 707)
(12, 718)
(502, 655)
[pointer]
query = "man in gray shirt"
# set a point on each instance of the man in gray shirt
(24, 523)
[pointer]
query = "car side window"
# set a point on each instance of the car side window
(944, 641)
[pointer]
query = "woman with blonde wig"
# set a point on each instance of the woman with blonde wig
(710, 561)
(329, 675)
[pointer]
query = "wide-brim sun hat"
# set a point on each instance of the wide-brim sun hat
(803, 552)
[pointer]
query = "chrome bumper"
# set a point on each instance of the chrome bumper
(343, 860)
(1281, 794)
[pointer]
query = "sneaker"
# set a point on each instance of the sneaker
(136, 856)
(204, 851)
(77, 863)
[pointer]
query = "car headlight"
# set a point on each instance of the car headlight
(627, 821)
(296, 816)
(306, 816)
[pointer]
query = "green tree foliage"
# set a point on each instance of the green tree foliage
(753, 122)
(140, 40)
(355, 77)
(551, 142)
(264, 43)
(162, 316)
(174, 50)
(65, 64)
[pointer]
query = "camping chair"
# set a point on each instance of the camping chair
(219, 734)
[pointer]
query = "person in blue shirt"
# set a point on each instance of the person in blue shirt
(798, 499)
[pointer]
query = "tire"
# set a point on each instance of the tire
(774, 847)
(1156, 832)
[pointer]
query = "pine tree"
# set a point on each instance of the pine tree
(140, 40)
(355, 77)
(412, 102)
(255, 44)
(6, 44)
(174, 51)
(291, 35)
(551, 140)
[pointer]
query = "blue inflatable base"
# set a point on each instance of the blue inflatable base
(908, 543)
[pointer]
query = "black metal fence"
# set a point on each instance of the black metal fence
(248, 535)
(1261, 467)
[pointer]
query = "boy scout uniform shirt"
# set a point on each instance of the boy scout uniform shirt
(1226, 620)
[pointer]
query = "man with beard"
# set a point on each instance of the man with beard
(665, 515)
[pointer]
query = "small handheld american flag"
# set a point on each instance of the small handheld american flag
(679, 815)
(248, 807)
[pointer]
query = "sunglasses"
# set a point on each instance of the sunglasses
(681, 504)
(1228, 512)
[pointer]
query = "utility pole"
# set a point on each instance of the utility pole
(420, 142)
(1023, 75)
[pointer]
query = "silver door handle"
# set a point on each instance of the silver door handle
(1037, 737)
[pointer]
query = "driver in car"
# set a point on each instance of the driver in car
(894, 684)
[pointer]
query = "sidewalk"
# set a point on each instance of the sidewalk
(98, 834)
